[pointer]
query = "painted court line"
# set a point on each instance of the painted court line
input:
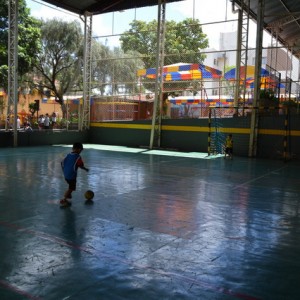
(91, 251)
(257, 178)
(16, 290)
(199, 155)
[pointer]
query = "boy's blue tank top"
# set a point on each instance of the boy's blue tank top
(69, 165)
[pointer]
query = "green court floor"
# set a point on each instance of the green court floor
(164, 225)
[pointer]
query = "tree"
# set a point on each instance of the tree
(59, 64)
(123, 71)
(113, 71)
(33, 108)
(28, 40)
(183, 41)
(100, 68)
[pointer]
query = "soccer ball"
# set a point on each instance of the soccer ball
(89, 195)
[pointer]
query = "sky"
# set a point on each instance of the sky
(108, 27)
(109, 24)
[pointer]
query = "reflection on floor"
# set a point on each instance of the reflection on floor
(163, 225)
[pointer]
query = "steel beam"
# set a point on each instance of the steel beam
(257, 80)
(242, 50)
(84, 122)
(12, 105)
(157, 107)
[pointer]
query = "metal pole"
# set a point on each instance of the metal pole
(12, 107)
(257, 79)
(84, 122)
(238, 59)
(156, 118)
(209, 133)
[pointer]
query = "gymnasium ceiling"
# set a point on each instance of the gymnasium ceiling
(97, 7)
(282, 15)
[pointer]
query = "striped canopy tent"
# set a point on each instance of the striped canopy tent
(266, 83)
(245, 72)
(182, 71)
(210, 101)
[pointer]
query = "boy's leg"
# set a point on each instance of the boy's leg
(68, 194)
(65, 203)
(71, 189)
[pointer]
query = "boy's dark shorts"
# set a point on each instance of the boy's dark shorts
(228, 150)
(72, 184)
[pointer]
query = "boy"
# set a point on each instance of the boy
(229, 146)
(70, 165)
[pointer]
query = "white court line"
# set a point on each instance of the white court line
(257, 178)
(198, 155)
(107, 148)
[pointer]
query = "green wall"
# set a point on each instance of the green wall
(276, 136)
(39, 138)
(192, 134)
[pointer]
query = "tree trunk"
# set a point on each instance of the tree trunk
(64, 110)
(62, 106)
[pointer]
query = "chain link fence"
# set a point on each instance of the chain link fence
(196, 76)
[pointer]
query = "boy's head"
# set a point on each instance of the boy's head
(77, 147)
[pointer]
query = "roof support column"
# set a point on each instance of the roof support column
(12, 106)
(157, 107)
(84, 122)
(242, 52)
(257, 79)
(238, 59)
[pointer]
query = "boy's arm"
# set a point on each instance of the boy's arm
(84, 168)
(80, 164)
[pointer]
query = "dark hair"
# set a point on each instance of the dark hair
(77, 146)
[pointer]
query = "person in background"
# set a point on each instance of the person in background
(53, 119)
(46, 122)
(28, 128)
(18, 123)
(41, 121)
(25, 122)
(8, 123)
(229, 146)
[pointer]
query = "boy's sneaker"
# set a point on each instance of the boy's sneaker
(65, 203)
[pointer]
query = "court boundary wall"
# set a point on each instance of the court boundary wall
(275, 139)
(43, 138)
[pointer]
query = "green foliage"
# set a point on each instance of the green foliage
(28, 40)
(59, 64)
(267, 97)
(33, 107)
(183, 41)
(124, 67)
(100, 66)
(112, 68)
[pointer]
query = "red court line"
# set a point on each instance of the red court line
(72, 245)
(10, 287)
